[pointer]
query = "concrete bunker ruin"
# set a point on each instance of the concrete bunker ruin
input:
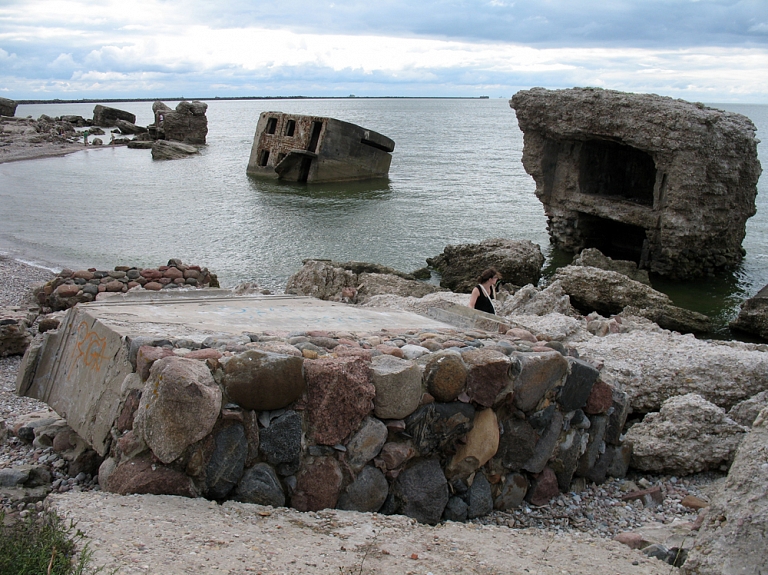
(315, 149)
(665, 183)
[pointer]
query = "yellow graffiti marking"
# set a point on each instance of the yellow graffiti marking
(90, 347)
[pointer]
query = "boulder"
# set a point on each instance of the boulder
(445, 375)
(259, 484)
(745, 412)
(7, 107)
(143, 474)
(166, 150)
(353, 282)
(339, 396)
(530, 300)
(227, 462)
(732, 537)
(179, 406)
(652, 366)
(479, 497)
(264, 381)
(438, 426)
(421, 492)
(577, 388)
(518, 261)
(536, 374)
(398, 386)
(688, 435)
(366, 443)
(666, 183)
(129, 127)
(318, 484)
(481, 445)
(107, 117)
(543, 487)
(188, 123)
(516, 444)
(607, 292)
(488, 375)
(280, 442)
(753, 315)
(15, 336)
(366, 493)
(512, 492)
(321, 279)
(371, 284)
(592, 257)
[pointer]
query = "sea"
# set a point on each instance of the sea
(456, 177)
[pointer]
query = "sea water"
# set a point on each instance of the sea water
(456, 177)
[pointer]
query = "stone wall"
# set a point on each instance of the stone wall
(70, 287)
(665, 183)
(433, 425)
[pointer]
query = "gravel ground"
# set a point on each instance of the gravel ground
(148, 534)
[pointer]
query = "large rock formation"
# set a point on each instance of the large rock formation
(107, 117)
(666, 183)
(187, 123)
(7, 107)
(733, 536)
(518, 261)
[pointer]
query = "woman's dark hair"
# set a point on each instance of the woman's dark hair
(488, 274)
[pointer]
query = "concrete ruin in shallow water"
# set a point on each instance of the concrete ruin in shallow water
(665, 183)
(298, 148)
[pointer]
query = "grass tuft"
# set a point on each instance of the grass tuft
(42, 544)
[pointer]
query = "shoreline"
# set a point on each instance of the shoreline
(18, 152)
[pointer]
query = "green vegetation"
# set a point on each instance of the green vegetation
(38, 545)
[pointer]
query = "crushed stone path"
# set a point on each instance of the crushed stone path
(168, 534)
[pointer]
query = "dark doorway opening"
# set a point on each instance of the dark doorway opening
(315, 138)
(616, 240)
(611, 169)
(306, 163)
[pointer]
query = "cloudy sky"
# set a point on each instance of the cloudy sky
(702, 50)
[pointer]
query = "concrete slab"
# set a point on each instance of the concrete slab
(83, 369)
(196, 314)
(463, 317)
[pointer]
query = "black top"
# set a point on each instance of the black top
(483, 303)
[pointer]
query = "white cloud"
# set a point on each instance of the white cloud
(394, 48)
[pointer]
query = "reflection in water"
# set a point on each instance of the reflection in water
(378, 189)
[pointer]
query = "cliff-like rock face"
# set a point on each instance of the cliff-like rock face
(665, 183)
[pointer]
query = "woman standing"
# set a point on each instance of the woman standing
(485, 291)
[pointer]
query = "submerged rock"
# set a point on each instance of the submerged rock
(753, 316)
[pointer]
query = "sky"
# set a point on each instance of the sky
(700, 50)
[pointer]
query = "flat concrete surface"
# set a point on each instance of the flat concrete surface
(206, 312)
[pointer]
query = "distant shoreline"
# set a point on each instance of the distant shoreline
(182, 98)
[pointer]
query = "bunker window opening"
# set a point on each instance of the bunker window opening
(271, 125)
(290, 127)
(263, 157)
